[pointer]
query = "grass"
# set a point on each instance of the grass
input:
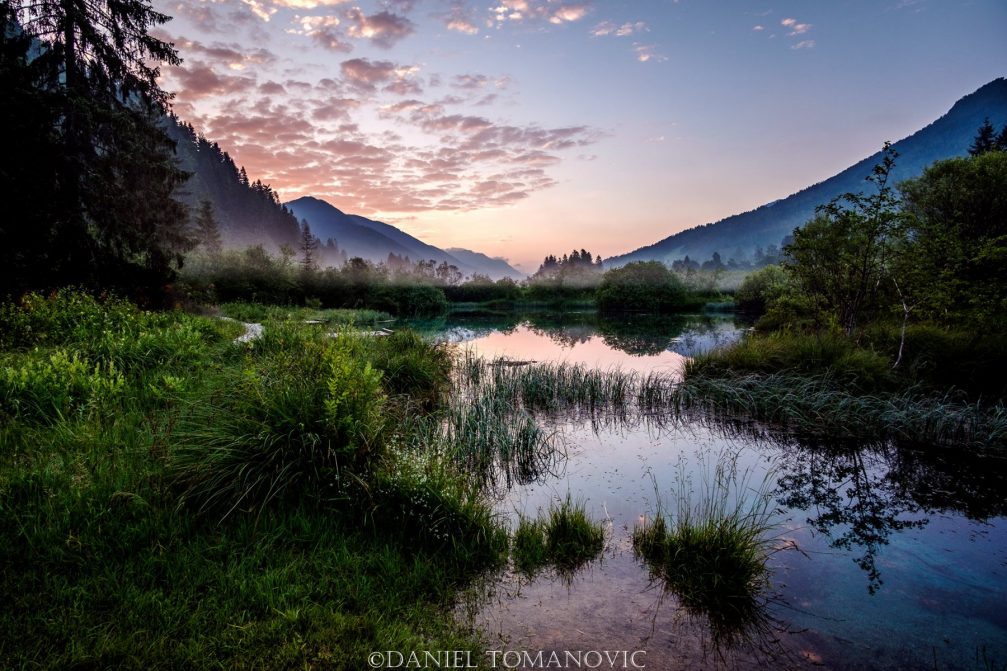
(257, 312)
(720, 390)
(712, 553)
(170, 499)
(566, 539)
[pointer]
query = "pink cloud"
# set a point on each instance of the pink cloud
(383, 29)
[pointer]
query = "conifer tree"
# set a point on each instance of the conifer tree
(985, 139)
(207, 231)
(110, 217)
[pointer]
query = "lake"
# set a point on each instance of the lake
(884, 557)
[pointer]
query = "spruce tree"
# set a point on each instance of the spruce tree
(207, 231)
(985, 139)
(111, 217)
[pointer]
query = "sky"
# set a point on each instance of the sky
(520, 128)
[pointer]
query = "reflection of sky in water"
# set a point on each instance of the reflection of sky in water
(662, 346)
(887, 574)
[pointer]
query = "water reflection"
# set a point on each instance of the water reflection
(902, 553)
(646, 336)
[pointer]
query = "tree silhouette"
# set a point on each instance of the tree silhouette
(90, 68)
(985, 140)
(207, 231)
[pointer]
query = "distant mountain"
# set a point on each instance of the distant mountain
(495, 268)
(740, 234)
(247, 213)
(375, 240)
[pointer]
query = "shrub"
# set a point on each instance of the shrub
(761, 289)
(643, 286)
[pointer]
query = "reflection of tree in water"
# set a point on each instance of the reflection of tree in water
(861, 496)
(564, 329)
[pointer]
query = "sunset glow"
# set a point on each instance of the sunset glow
(534, 126)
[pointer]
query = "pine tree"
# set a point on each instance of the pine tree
(207, 231)
(1001, 142)
(309, 244)
(111, 219)
(985, 139)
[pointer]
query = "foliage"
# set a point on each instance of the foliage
(89, 83)
(304, 415)
(256, 276)
(841, 259)
(565, 539)
(643, 286)
(104, 568)
(761, 289)
(957, 220)
(712, 553)
(207, 231)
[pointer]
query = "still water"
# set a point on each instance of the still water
(887, 558)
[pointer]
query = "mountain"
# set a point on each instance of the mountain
(375, 240)
(495, 268)
(947, 137)
(247, 213)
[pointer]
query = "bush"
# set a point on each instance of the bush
(761, 289)
(643, 286)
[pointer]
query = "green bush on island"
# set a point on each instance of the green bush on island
(643, 286)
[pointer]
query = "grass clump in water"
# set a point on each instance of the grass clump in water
(712, 554)
(565, 539)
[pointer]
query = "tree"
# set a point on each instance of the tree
(956, 214)
(207, 232)
(309, 244)
(1001, 141)
(985, 139)
(110, 218)
(841, 258)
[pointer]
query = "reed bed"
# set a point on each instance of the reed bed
(813, 406)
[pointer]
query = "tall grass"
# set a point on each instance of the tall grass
(799, 402)
(565, 538)
(109, 414)
(712, 552)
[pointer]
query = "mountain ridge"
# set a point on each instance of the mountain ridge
(374, 240)
(946, 137)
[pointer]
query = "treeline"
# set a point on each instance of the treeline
(403, 287)
(903, 285)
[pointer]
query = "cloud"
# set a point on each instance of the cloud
(460, 20)
(383, 29)
(606, 28)
(568, 13)
(325, 30)
(365, 75)
(259, 9)
(230, 55)
(469, 82)
(758, 28)
(200, 80)
(647, 52)
(795, 27)
(552, 11)
(307, 4)
(804, 44)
